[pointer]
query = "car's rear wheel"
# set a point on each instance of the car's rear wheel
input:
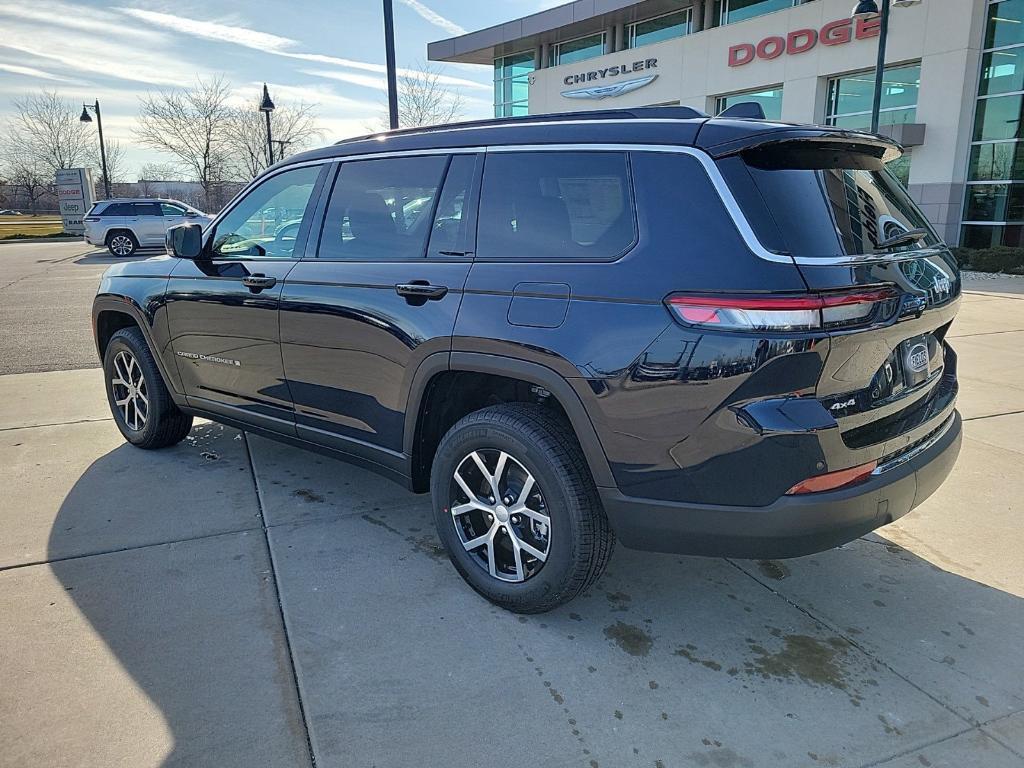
(142, 407)
(517, 510)
(122, 243)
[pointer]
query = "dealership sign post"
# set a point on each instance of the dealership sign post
(76, 196)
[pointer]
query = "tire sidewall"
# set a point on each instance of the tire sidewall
(120, 343)
(122, 233)
(558, 569)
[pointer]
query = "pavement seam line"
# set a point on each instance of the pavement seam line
(995, 737)
(856, 645)
(277, 596)
(119, 550)
(57, 424)
(920, 747)
(993, 415)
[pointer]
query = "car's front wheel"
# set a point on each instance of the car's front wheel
(122, 243)
(142, 407)
(517, 510)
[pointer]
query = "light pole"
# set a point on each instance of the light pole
(87, 118)
(867, 9)
(266, 107)
(389, 54)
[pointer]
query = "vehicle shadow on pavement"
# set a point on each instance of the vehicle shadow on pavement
(104, 257)
(843, 658)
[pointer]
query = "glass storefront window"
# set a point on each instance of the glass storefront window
(994, 202)
(1002, 72)
(580, 49)
(996, 162)
(661, 28)
(998, 117)
(512, 84)
(770, 101)
(739, 10)
(1005, 24)
(985, 236)
(853, 94)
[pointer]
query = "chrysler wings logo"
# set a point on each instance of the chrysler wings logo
(606, 91)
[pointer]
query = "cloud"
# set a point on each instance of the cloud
(210, 30)
(366, 66)
(366, 81)
(434, 17)
(33, 72)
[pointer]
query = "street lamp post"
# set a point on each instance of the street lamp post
(87, 118)
(389, 54)
(868, 9)
(266, 107)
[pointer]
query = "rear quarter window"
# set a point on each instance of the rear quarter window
(556, 206)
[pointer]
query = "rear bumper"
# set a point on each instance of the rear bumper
(793, 525)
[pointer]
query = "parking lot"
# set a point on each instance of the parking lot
(235, 602)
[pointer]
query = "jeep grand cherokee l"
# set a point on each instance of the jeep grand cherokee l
(695, 335)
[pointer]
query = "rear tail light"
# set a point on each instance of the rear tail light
(824, 311)
(830, 481)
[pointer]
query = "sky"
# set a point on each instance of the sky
(325, 52)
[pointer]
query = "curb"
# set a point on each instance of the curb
(23, 240)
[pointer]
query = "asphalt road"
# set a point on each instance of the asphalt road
(235, 602)
(46, 292)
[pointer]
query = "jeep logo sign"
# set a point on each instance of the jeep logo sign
(836, 32)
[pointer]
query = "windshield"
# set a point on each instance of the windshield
(824, 201)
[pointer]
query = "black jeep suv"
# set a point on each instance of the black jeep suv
(705, 336)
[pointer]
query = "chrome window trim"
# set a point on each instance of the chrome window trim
(739, 219)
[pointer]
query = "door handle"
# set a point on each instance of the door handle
(258, 282)
(421, 290)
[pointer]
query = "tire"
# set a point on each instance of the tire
(578, 541)
(157, 424)
(122, 243)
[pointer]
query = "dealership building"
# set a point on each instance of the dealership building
(952, 94)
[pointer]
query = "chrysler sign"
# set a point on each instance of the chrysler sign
(598, 88)
(802, 40)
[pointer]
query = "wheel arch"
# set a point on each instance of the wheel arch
(561, 391)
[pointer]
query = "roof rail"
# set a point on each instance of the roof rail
(636, 113)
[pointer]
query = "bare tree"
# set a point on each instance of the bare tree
(43, 136)
(424, 100)
(192, 125)
(293, 128)
(115, 163)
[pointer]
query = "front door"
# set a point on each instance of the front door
(381, 294)
(223, 307)
(148, 224)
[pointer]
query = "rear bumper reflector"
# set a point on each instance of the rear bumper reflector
(830, 481)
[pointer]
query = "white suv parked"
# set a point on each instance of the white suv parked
(125, 225)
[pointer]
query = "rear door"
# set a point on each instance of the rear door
(841, 216)
(379, 294)
(147, 222)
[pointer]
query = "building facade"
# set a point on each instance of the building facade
(953, 90)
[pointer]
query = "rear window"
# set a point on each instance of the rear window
(555, 206)
(823, 200)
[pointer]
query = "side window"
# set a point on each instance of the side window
(171, 210)
(266, 221)
(117, 209)
(450, 234)
(147, 209)
(382, 210)
(555, 206)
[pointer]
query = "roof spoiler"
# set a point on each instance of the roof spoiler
(870, 143)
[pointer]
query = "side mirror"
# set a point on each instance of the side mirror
(184, 241)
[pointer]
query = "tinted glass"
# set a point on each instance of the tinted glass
(738, 10)
(998, 118)
(172, 210)
(147, 209)
(449, 235)
(118, 209)
(980, 236)
(854, 93)
(990, 162)
(1002, 72)
(579, 50)
(661, 28)
(555, 206)
(994, 202)
(381, 210)
(266, 221)
(813, 196)
(770, 101)
(1005, 24)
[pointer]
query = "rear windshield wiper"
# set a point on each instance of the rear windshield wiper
(903, 238)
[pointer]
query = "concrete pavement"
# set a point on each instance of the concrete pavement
(232, 601)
